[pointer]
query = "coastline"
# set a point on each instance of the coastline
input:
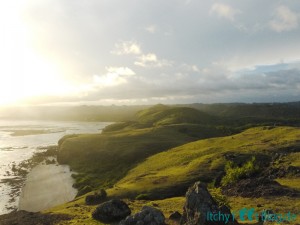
(39, 182)
(19, 154)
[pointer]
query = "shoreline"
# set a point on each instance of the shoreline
(19, 174)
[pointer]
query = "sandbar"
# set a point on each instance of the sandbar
(47, 186)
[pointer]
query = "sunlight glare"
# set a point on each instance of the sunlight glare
(23, 73)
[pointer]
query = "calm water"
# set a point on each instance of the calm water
(14, 149)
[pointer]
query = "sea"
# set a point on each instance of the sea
(16, 147)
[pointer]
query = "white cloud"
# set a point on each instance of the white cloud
(225, 11)
(284, 19)
(151, 29)
(190, 68)
(114, 76)
(124, 71)
(126, 48)
(151, 60)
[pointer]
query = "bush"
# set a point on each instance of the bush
(142, 197)
(84, 190)
(96, 198)
(219, 197)
(235, 173)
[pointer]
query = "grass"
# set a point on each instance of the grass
(290, 182)
(103, 159)
(82, 213)
(280, 205)
(203, 160)
(165, 150)
(162, 174)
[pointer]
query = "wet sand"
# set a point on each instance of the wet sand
(47, 186)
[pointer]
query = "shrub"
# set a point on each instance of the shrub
(96, 198)
(84, 190)
(235, 173)
(142, 197)
(219, 197)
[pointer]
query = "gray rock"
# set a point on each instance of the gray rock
(200, 204)
(111, 211)
(175, 216)
(147, 216)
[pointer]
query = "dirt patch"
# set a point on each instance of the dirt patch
(259, 187)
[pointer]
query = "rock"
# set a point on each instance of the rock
(96, 198)
(147, 216)
(175, 216)
(111, 211)
(199, 207)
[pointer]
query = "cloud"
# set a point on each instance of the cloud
(126, 48)
(151, 60)
(190, 68)
(284, 19)
(225, 11)
(124, 71)
(151, 29)
(114, 77)
(178, 60)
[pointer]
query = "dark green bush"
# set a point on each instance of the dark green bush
(142, 197)
(235, 173)
(84, 190)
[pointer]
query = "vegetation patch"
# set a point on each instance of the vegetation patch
(235, 173)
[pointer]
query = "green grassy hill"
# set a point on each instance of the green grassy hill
(163, 174)
(164, 149)
(103, 159)
(164, 115)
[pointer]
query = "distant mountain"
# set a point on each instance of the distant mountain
(258, 110)
(164, 115)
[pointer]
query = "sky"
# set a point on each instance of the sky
(127, 52)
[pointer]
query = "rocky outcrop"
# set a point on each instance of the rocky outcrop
(111, 211)
(148, 216)
(201, 209)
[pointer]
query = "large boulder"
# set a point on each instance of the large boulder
(201, 209)
(147, 216)
(111, 211)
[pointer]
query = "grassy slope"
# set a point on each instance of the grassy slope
(200, 159)
(82, 214)
(205, 159)
(132, 157)
(102, 159)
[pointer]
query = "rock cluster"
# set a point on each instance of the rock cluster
(147, 216)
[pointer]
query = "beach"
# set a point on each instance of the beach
(47, 186)
(20, 140)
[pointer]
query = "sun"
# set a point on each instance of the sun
(24, 73)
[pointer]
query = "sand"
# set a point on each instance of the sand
(47, 186)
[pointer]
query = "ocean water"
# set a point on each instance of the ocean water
(15, 149)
